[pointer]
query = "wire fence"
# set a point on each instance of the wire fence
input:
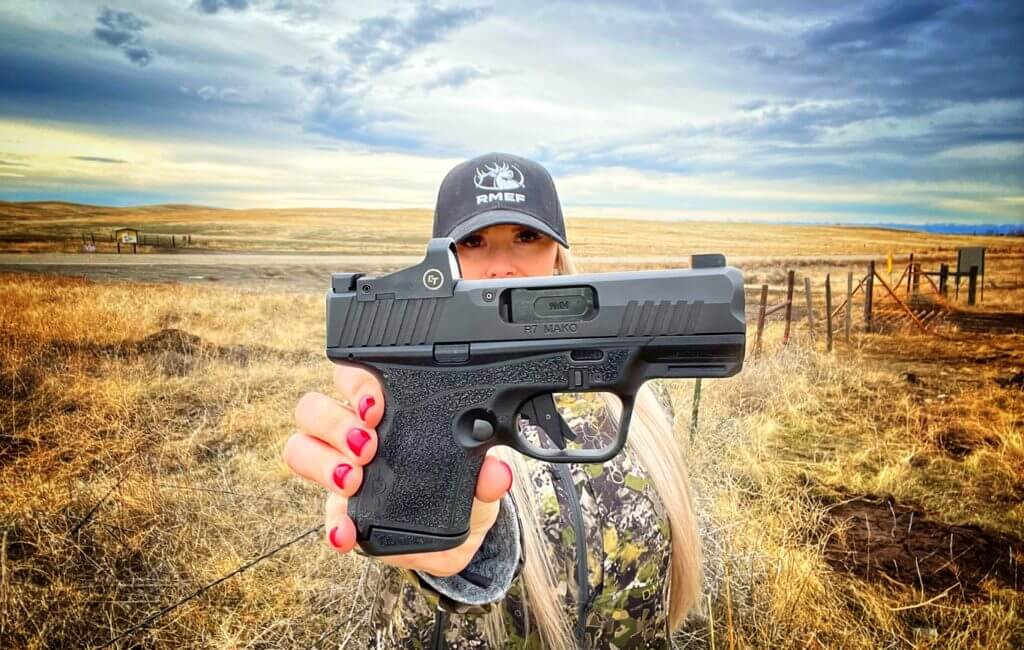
(119, 242)
(915, 300)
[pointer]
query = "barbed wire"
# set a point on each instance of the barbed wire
(170, 608)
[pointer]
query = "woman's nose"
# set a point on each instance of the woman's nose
(501, 272)
(501, 267)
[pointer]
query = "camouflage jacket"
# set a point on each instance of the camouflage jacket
(626, 546)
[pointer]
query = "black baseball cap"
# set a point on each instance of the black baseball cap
(498, 188)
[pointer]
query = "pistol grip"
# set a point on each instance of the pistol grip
(417, 492)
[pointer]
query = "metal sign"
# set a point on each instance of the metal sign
(969, 256)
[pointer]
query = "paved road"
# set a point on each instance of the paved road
(291, 271)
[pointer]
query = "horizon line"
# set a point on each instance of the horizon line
(640, 217)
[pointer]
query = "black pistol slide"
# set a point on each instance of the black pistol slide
(460, 360)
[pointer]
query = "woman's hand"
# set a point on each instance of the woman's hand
(335, 442)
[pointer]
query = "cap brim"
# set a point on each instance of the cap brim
(493, 217)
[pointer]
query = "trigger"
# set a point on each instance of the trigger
(541, 411)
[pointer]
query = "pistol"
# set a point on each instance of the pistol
(461, 361)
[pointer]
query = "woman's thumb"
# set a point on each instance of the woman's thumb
(494, 481)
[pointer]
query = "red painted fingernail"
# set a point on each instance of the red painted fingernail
(509, 470)
(339, 474)
(330, 536)
(366, 402)
(356, 438)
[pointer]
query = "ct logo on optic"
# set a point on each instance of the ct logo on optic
(499, 177)
(433, 279)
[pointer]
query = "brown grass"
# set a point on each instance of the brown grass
(42, 227)
(140, 436)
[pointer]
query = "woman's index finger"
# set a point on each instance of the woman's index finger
(362, 390)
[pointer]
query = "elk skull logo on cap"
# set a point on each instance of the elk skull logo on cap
(499, 177)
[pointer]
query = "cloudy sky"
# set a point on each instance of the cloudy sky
(807, 110)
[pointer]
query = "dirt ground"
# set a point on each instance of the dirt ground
(884, 541)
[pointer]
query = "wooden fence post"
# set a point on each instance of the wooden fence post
(869, 288)
(849, 305)
(943, 280)
(828, 312)
(790, 279)
(810, 308)
(910, 272)
(972, 285)
(760, 321)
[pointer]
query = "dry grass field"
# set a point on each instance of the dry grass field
(869, 497)
(57, 227)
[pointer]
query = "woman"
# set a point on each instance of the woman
(562, 556)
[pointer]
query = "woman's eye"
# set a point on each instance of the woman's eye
(473, 241)
(528, 235)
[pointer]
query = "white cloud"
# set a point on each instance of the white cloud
(648, 105)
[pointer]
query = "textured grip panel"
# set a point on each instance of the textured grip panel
(421, 479)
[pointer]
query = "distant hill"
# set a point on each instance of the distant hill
(67, 210)
(997, 229)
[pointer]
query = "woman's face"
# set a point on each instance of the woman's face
(506, 251)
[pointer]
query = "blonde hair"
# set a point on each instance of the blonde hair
(651, 437)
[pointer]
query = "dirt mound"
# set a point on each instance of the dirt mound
(959, 441)
(879, 540)
(170, 340)
(179, 351)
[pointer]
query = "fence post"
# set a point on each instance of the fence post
(943, 280)
(760, 320)
(810, 308)
(869, 288)
(828, 312)
(790, 279)
(910, 272)
(915, 277)
(849, 305)
(972, 285)
(696, 410)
